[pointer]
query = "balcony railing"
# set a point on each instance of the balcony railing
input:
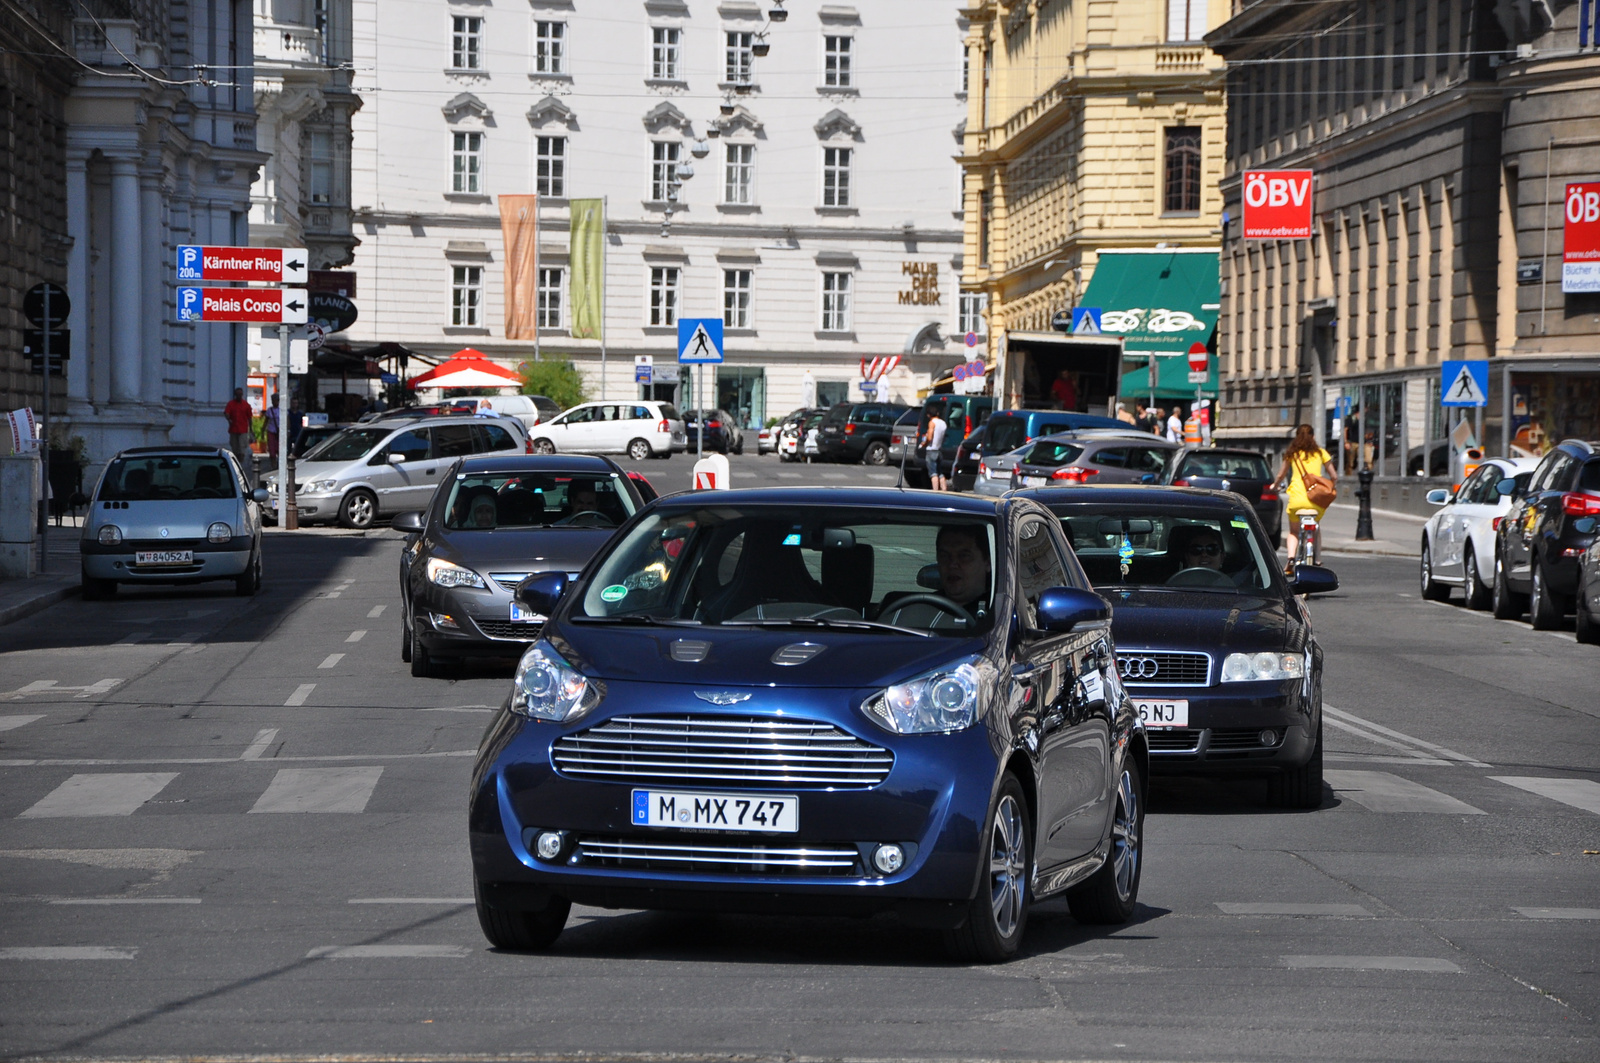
(280, 43)
(1180, 60)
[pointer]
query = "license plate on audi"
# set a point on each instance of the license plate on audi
(700, 811)
(1162, 713)
(163, 557)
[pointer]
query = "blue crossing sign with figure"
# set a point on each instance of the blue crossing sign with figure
(700, 340)
(1464, 383)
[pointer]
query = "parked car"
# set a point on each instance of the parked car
(1008, 430)
(642, 428)
(389, 466)
(723, 433)
(1539, 543)
(904, 435)
(498, 521)
(791, 432)
(964, 469)
(1096, 456)
(310, 437)
(1458, 540)
(859, 431)
(962, 414)
(841, 700)
(1244, 472)
(1586, 603)
(1213, 643)
(175, 514)
(531, 410)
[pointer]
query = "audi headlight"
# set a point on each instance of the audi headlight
(318, 487)
(546, 687)
(1251, 667)
(446, 574)
(947, 699)
(219, 533)
(110, 535)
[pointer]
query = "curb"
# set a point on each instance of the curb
(41, 601)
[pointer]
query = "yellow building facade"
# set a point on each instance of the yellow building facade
(1093, 126)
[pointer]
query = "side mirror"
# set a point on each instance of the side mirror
(541, 591)
(1313, 579)
(397, 459)
(1507, 487)
(1065, 609)
(411, 522)
(261, 495)
(1439, 496)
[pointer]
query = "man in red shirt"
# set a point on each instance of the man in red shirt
(238, 413)
(1065, 390)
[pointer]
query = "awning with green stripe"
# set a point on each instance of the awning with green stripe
(1172, 378)
(1161, 301)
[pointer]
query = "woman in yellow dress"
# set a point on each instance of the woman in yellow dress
(1304, 457)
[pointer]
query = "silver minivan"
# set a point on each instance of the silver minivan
(389, 466)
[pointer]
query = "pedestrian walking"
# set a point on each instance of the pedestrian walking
(1175, 427)
(1150, 419)
(272, 434)
(1313, 483)
(932, 445)
(238, 414)
(1124, 416)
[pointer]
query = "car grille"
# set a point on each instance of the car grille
(508, 580)
(752, 751)
(505, 629)
(715, 854)
(1158, 668)
(1174, 740)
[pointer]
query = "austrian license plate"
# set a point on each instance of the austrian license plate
(521, 614)
(163, 557)
(1163, 713)
(675, 808)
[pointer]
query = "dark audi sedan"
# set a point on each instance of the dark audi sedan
(1213, 642)
(826, 701)
(490, 524)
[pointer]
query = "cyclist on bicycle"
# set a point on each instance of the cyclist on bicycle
(1304, 457)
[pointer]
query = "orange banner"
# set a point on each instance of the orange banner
(519, 228)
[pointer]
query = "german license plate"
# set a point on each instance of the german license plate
(521, 614)
(1163, 713)
(675, 808)
(1034, 481)
(163, 557)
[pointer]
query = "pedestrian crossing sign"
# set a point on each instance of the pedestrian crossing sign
(1464, 383)
(700, 340)
(1086, 320)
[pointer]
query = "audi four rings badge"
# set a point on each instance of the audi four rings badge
(1138, 667)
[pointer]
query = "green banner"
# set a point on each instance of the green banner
(587, 283)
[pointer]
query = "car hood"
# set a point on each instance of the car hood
(1200, 620)
(182, 518)
(523, 549)
(306, 471)
(743, 657)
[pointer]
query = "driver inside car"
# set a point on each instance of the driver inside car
(1199, 546)
(962, 551)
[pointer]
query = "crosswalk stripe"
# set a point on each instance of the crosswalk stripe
(11, 723)
(1579, 793)
(388, 952)
(1379, 791)
(319, 790)
(110, 794)
(66, 952)
(1425, 964)
(1274, 908)
(1559, 913)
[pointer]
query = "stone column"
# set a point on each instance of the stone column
(127, 332)
(78, 275)
(154, 258)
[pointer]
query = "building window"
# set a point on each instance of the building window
(466, 163)
(835, 177)
(836, 302)
(736, 298)
(466, 42)
(741, 58)
(985, 209)
(663, 169)
(466, 296)
(664, 53)
(1186, 20)
(321, 166)
(836, 61)
(550, 47)
(1183, 170)
(550, 166)
(547, 313)
(966, 61)
(738, 184)
(664, 295)
(971, 320)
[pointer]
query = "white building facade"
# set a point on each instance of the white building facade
(821, 220)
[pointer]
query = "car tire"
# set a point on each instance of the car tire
(543, 446)
(517, 931)
(998, 915)
(97, 590)
(1109, 896)
(1299, 787)
(1432, 589)
(406, 639)
(738, 447)
(358, 509)
(1545, 610)
(422, 665)
(639, 450)
(875, 454)
(247, 583)
(1506, 604)
(1587, 628)
(1479, 595)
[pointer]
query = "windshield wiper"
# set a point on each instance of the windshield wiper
(820, 621)
(637, 618)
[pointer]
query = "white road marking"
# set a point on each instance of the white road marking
(411, 900)
(388, 952)
(300, 694)
(1361, 758)
(260, 744)
(1378, 739)
(1274, 908)
(325, 758)
(50, 686)
(1379, 791)
(357, 635)
(1579, 793)
(67, 952)
(319, 790)
(124, 900)
(11, 723)
(331, 660)
(116, 859)
(376, 611)
(129, 640)
(1559, 913)
(100, 795)
(457, 708)
(1424, 964)
(1448, 754)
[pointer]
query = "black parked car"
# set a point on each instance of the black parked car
(858, 431)
(1539, 542)
(1586, 603)
(723, 433)
(492, 523)
(1244, 472)
(1213, 643)
(964, 470)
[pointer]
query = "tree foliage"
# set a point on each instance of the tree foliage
(556, 380)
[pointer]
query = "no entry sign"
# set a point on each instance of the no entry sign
(268, 265)
(1277, 205)
(285, 305)
(1580, 247)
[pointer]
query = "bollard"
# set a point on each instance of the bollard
(291, 512)
(1364, 496)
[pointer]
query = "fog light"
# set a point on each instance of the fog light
(444, 621)
(888, 858)
(1269, 738)
(548, 845)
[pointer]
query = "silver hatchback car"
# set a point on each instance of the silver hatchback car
(178, 514)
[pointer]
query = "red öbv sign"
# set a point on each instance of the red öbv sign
(1580, 246)
(1277, 204)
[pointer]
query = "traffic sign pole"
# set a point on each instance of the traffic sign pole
(44, 451)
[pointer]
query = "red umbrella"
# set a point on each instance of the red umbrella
(466, 368)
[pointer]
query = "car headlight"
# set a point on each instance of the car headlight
(1250, 667)
(110, 535)
(317, 487)
(546, 687)
(219, 533)
(946, 699)
(446, 574)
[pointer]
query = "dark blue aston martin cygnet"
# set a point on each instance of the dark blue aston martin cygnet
(816, 701)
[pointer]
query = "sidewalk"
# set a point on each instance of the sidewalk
(24, 597)
(1394, 534)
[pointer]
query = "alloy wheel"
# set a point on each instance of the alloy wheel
(1125, 848)
(1008, 852)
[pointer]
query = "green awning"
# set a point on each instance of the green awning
(1172, 378)
(1158, 300)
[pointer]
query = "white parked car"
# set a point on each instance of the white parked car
(1458, 541)
(639, 428)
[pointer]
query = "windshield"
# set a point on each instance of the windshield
(732, 565)
(1231, 466)
(1050, 453)
(1005, 434)
(348, 445)
(1149, 548)
(165, 477)
(837, 414)
(485, 501)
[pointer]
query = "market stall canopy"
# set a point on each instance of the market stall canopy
(1161, 301)
(467, 368)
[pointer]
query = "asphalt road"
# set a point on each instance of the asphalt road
(236, 827)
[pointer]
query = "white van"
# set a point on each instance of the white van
(639, 428)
